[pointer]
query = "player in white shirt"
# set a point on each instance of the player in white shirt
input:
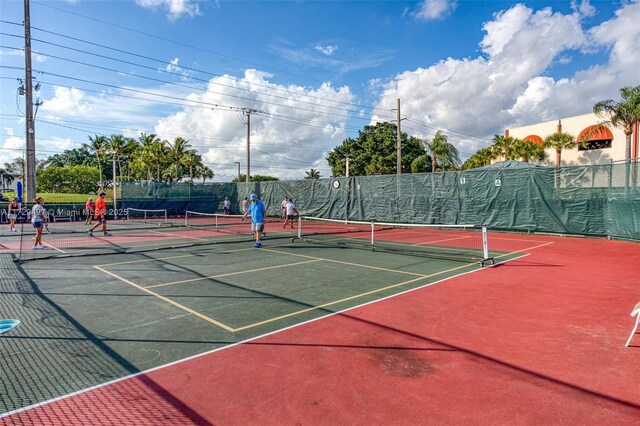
(290, 212)
(283, 207)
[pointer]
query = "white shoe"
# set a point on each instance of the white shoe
(38, 247)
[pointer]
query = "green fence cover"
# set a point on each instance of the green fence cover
(601, 200)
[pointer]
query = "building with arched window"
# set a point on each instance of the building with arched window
(602, 146)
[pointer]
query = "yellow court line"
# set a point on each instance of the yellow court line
(354, 297)
(166, 299)
(345, 263)
(525, 249)
(517, 239)
(248, 271)
(440, 241)
(55, 248)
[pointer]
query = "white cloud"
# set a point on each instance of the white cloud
(288, 136)
(173, 68)
(19, 52)
(584, 8)
(507, 85)
(430, 10)
(175, 8)
(327, 50)
(309, 57)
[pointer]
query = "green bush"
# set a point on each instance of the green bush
(71, 179)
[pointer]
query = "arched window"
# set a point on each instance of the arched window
(594, 137)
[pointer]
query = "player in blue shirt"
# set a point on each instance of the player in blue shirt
(258, 212)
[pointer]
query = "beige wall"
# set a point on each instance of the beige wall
(573, 126)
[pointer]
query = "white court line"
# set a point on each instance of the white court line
(180, 361)
(247, 271)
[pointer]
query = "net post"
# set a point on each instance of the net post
(145, 216)
(299, 227)
(186, 218)
(166, 216)
(216, 216)
(372, 238)
(485, 243)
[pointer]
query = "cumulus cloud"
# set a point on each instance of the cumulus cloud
(430, 10)
(175, 8)
(292, 127)
(507, 85)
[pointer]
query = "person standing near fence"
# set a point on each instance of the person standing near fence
(88, 208)
(283, 207)
(291, 211)
(245, 205)
(258, 212)
(227, 205)
(100, 216)
(12, 214)
(38, 220)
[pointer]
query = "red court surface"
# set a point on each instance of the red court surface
(537, 340)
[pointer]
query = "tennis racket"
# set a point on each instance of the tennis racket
(46, 228)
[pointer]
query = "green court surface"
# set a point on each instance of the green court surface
(90, 320)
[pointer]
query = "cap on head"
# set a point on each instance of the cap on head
(90, 198)
(103, 193)
(254, 197)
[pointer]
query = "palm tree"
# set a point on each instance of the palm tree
(480, 159)
(560, 141)
(503, 147)
(529, 150)
(312, 174)
(158, 152)
(621, 114)
(117, 145)
(98, 144)
(205, 173)
(192, 160)
(177, 150)
(145, 152)
(442, 153)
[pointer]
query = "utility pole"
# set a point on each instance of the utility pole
(30, 175)
(248, 112)
(115, 189)
(399, 143)
(238, 163)
(347, 167)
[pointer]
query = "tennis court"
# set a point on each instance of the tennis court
(218, 332)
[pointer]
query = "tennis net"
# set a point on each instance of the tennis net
(456, 242)
(158, 216)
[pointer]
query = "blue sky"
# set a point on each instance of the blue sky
(317, 72)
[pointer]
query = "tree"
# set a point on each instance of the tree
(159, 153)
(622, 114)
(68, 179)
(192, 160)
(504, 147)
(312, 174)
(178, 149)
(98, 145)
(145, 152)
(204, 172)
(443, 153)
(559, 141)
(374, 152)
(529, 150)
(480, 159)
(6, 177)
(256, 178)
(117, 146)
